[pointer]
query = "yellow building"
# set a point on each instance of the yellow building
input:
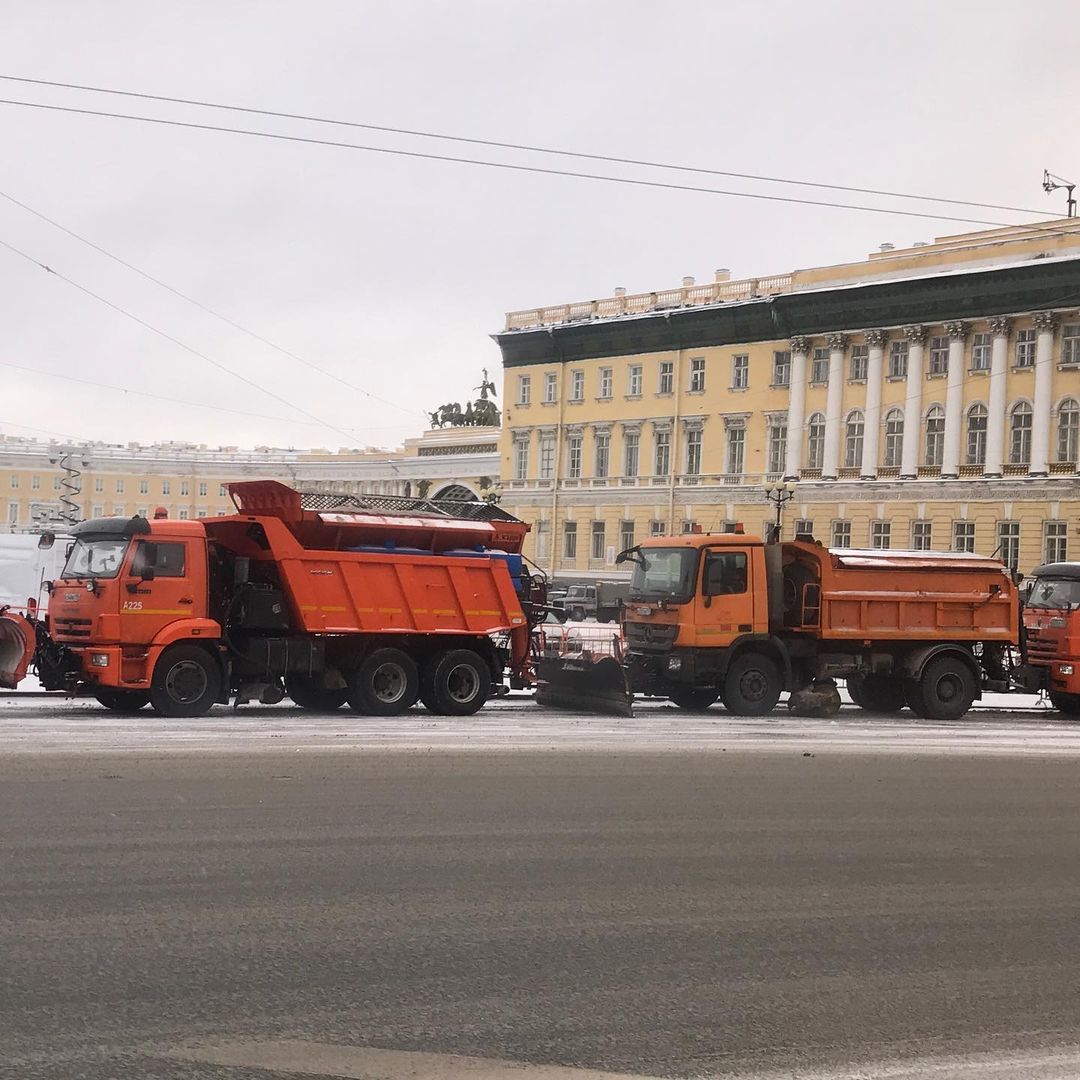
(926, 397)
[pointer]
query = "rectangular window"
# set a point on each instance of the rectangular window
(819, 367)
(120, 487)
(688, 527)
(569, 547)
(1008, 534)
(597, 541)
(740, 371)
(99, 510)
(577, 385)
(185, 487)
(1055, 541)
(633, 380)
(144, 487)
(860, 361)
(804, 527)
(166, 559)
(543, 534)
(736, 451)
(202, 488)
(35, 482)
(693, 451)
(898, 359)
(938, 363)
(99, 484)
(166, 487)
(119, 510)
(223, 491)
(982, 347)
(56, 485)
(631, 452)
(963, 536)
(880, 535)
(183, 514)
(921, 536)
(547, 456)
(551, 388)
(13, 513)
(781, 367)
(662, 458)
(626, 535)
(1025, 348)
(604, 390)
(1070, 344)
(603, 453)
(777, 447)
(697, 374)
(524, 394)
(658, 528)
(573, 457)
(667, 377)
(521, 459)
(841, 534)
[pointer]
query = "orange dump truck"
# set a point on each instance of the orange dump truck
(728, 616)
(1052, 625)
(376, 600)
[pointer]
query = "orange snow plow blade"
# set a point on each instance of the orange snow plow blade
(582, 669)
(17, 643)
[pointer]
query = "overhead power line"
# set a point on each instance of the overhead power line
(174, 340)
(497, 144)
(203, 307)
(506, 166)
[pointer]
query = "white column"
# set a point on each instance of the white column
(1045, 323)
(875, 373)
(954, 399)
(833, 404)
(796, 417)
(909, 462)
(995, 406)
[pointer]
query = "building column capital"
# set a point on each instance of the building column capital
(876, 338)
(915, 334)
(1000, 326)
(836, 342)
(957, 330)
(799, 344)
(1045, 321)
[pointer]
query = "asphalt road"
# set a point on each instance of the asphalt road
(741, 909)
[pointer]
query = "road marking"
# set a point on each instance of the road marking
(371, 1063)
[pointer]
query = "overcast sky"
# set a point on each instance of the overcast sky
(393, 272)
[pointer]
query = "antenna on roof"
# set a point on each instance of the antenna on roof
(1053, 183)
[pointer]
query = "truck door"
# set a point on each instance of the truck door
(165, 581)
(723, 606)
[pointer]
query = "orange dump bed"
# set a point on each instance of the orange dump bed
(902, 594)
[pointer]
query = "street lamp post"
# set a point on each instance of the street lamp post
(779, 493)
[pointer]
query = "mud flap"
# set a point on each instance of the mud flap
(18, 640)
(583, 682)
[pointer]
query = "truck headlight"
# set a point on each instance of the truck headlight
(1065, 669)
(99, 659)
(674, 663)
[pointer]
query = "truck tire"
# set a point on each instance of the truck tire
(1066, 703)
(122, 701)
(455, 683)
(186, 681)
(387, 683)
(694, 698)
(752, 685)
(308, 693)
(944, 692)
(877, 693)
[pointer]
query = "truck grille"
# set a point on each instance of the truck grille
(650, 637)
(1042, 647)
(72, 628)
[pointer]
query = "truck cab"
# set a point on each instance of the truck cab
(1052, 630)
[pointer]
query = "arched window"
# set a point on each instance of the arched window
(1020, 434)
(976, 434)
(1068, 430)
(457, 492)
(853, 440)
(935, 434)
(815, 441)
(894, 438)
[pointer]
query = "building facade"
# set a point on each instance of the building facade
(189, 481)
(925, 398)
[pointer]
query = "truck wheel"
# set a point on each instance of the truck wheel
(455, 683)
(877, 693)
(752, 685)
(386, 684)
(577, 614)
(694, 698)
(945, 691)
(122, 701)
(1066, 703)
(309, 693)
(186, 682)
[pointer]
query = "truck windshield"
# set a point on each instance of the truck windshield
(664, 574)
(97, 558)
(1057, 593)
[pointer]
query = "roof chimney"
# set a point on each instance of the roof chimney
(920, 243)
(886, 247)
(687, 281)
(723, 275)
(620, 291)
